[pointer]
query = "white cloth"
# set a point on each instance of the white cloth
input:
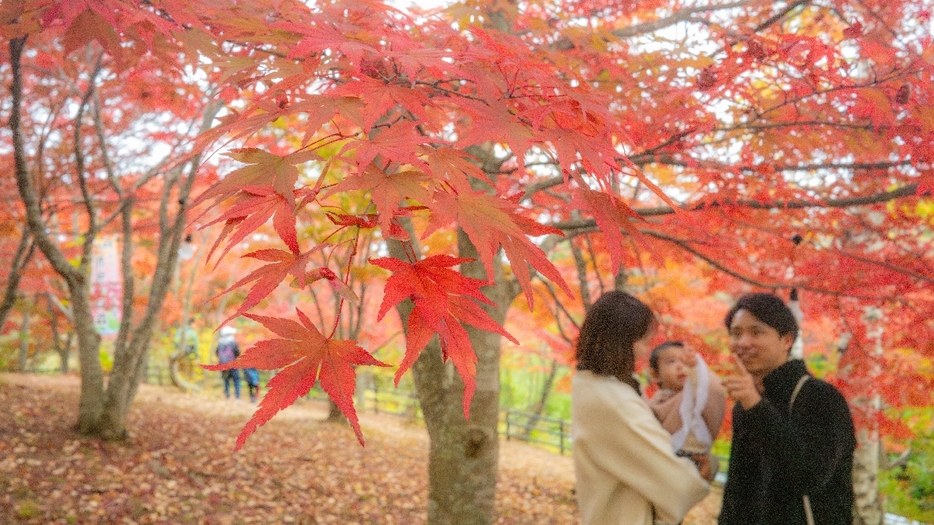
(693, 403)
(623, 459)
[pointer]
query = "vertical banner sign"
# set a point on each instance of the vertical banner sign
(106, 286)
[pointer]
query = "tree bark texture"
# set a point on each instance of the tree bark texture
(867, 506)
(103, 413)
(21, 257)
(463, 454)
(24, 337)
(90, 404)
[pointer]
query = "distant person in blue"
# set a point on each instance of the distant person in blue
(227, 351)
(251, 376)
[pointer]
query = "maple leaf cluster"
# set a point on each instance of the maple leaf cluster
(401, 125)
(579, 121)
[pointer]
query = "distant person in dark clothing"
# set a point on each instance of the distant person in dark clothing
(793, 435)
(227, 351)
(251, 376)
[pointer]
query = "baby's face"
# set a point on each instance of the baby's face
(672, 371)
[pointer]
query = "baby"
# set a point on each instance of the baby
(690, 402)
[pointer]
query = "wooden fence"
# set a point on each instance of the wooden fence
(550, 433)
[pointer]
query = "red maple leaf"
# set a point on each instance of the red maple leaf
(580, 136)
(319, 109)
(497, 121)
(268, 277)
(304, 355)
(612, 216)
(388, 190)
(397, 143)
(443, 299)
(256, 204)
(454, 165)
(324, 36)
(380, 97)
(492, 222)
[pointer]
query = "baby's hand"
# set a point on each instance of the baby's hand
(704, 464)
(689, 357)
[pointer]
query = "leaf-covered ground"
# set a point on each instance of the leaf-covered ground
(177, 467)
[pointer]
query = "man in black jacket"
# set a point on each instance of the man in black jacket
(793, 436)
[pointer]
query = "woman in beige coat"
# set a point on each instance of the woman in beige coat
(627, 472)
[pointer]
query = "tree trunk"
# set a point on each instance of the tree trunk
(121, 389)
(91, 402)
(334, 413)
(104, 414)
(92, 375)
(24, 337)
(867, 506)
(181, 333)
(21, 257)
(463, 455)
(539, 407)
(130, 360)
(60, 349)
(132, 345)
(64, 352)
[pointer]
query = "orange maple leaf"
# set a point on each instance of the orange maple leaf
(264, 168)
(304, 355)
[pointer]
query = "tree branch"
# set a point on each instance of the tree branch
(781, 14)
(79, 163)
(677, 17)
(24, 252)
(24, 182)
(907, 190)
(772, 285)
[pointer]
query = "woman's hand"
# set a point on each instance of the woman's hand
(741, 387)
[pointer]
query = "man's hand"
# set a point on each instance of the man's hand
(741, 387)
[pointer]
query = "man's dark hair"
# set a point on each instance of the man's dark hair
(768, 308)
(657, 352)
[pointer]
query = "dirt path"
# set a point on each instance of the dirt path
(177, 467)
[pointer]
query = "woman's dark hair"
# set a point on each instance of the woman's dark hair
(768, 308)
(605, 344)
(657, 352)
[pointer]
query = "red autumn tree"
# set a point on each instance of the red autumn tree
(713, 132)
(98, 126)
